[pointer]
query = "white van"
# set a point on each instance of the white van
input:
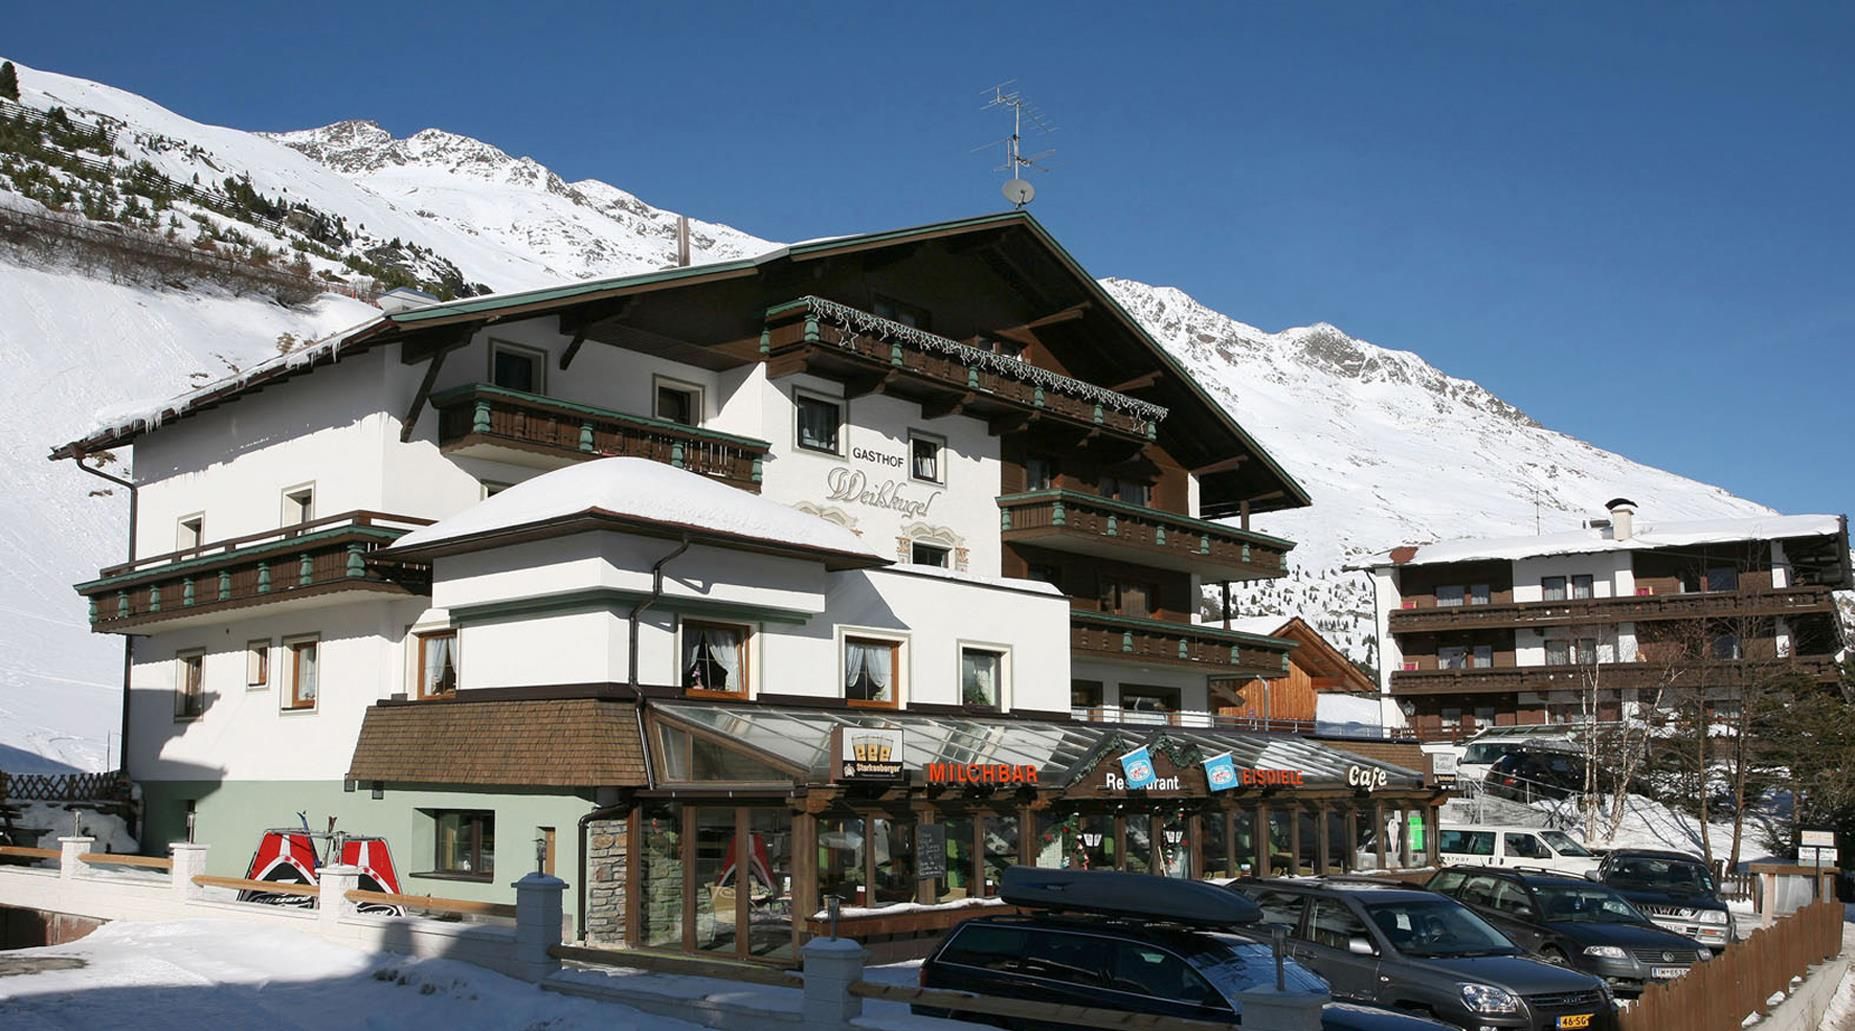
(1490, 845)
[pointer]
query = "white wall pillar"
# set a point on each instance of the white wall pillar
(537, 924)
(189, 862)
(335, 882)
(831, 966)
(68, 850)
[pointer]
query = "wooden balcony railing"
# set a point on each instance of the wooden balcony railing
(913, 362)
(1066, 520)
(1630, 608)
(320, 557)
(1608, 676)
(479, 416)
(1225, 654)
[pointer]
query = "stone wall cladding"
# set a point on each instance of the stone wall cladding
(606, 861)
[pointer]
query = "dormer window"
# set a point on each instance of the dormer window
(516, 368)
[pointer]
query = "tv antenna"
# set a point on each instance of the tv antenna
(1017, 188)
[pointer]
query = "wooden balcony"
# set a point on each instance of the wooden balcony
(1086, 524)
(296, 565)
(1646, 608)
(1221, 654)
(871, 354)
(1609, 676)
(483, 421)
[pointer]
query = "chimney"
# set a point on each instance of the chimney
(682, 241)
(1622, 518)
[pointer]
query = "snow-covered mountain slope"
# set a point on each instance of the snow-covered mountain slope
(1391, 449)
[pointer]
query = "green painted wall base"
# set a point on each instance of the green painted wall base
(231, 816)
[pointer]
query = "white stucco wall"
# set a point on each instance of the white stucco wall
(1610, 572)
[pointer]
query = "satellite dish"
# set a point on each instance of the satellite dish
(1019, 192)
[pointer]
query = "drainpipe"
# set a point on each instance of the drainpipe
(580, 885)
(639, 609)
(128, 640)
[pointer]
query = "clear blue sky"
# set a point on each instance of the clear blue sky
(1632, 220)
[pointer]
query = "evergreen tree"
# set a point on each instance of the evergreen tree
(9, 81)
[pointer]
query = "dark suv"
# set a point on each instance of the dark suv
(1409, 949)
(1676, 890)
(1571, 922)
(1104, 950)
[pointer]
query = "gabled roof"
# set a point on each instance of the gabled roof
(1196, 420)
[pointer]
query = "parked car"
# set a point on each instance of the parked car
(1570, 921)
(1481, 752)
(1505, 845)
(1417, 951)
(1129, 942)
(1528, 775)
(1676, 890)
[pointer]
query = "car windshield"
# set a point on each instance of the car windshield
(1246, 965)
(1579, 904)
(1437, 927)
(1563, 844)
(1666, 874)
(1486, 752)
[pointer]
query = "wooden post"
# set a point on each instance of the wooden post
(634, 876)
(1294, 840)
(1350, 862)
(1378, 832)
(1322, 859)
(1404, 837)
(1432, 848)
(1194, 858)
(1230, 841)
(687, 845)
(743, 880)
(924, 888)
(1262, 839)
(804, 872)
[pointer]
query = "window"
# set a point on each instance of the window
(1279, 908)
(1726, 646)
(1452, 715)
(516, 368)
(1466, 843)
(819, 420)
(1585, 651)
(1722, 578)
(924, 459)
(1039, 473)
(304, 673)
(1449, 597)
(981, 677)
(984, 946)
(1127, 599)
(1479, 594)
(928, 555)
(1484, 656)
(438, 664)
(1085, 694)
(466, 844)
(1509, 897)
(1581, 588)
(1333, 924)
(896, 311)
(1526, 846)
(1452, 657)
(870, 671)
(190, 685)
(299, 505)
(191, 533)
(679, 402)
(714, 658)
(1552, 588)
(1131, 491)
(1044, 571)
(1144, 698)
(1558, 651)
(257, 663)
(1076, 959)
(1484, 714)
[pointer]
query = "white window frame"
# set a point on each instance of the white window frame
(181, 658)
(698, 407)
(180, 530)
(1005, 670)
(286, 684)
(843, 423)
(286, 501)
(539, 355)
(903, 659)
(253, 648)
(940, 456)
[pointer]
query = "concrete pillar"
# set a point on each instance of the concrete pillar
(69, 849)
(189, 862)
(332, 904)
(1266, 1009)
(537, 924)
(831, 966)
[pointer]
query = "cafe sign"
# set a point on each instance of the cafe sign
(868, 753)
(1369, 778)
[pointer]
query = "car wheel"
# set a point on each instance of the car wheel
(1554, 957)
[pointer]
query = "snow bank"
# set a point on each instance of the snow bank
(54, 820)
(639, 488)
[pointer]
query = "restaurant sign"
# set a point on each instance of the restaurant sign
(868, 753)
(1368, 777)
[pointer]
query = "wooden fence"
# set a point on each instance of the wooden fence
(1719, 994)
(109, 786)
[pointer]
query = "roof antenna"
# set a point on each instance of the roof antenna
(1017, 189)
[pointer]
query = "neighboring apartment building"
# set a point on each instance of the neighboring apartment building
(1586, 623)
(882, 522)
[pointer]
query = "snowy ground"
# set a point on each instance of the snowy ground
(218, 974)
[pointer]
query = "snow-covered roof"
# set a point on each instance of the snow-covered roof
(1595, 539)
(640, 490)
(1008, 583)
(1262, 626)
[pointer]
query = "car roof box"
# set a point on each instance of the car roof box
(1112, 893)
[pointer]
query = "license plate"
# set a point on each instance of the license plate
(1666, 973)
(1571, 1021)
